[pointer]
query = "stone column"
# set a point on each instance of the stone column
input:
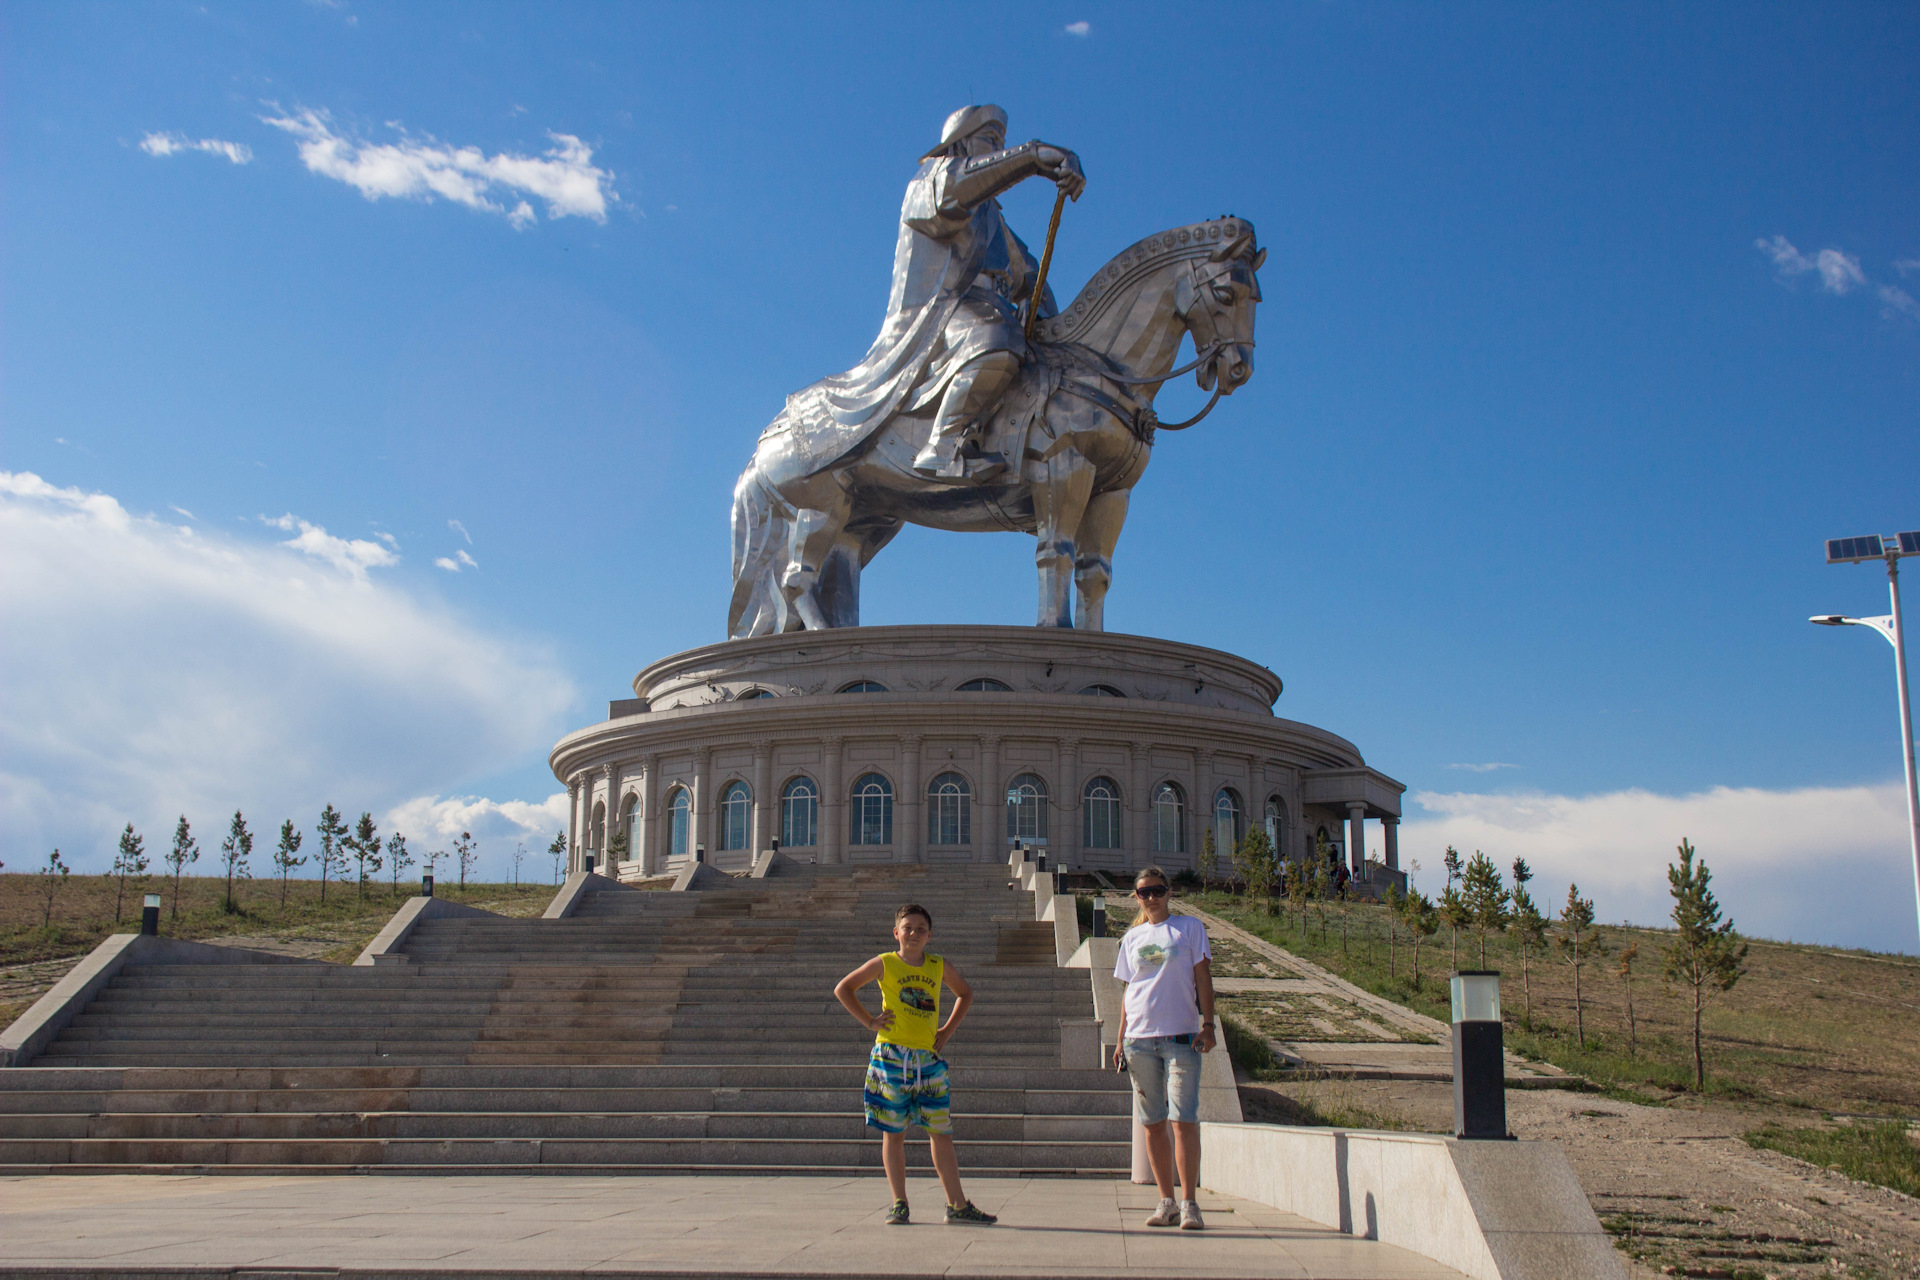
(702, 823)
(909, 842)
(1066, 843)
(575, 828)
(648, 839)
(994, 812)
(765, 807)
(833, 803)
(1356, 836)
(610, 772)
(1139, 832)
(1202, 802)
(1390, 838)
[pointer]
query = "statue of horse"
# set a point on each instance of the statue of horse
(1077, 427)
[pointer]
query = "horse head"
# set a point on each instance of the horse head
(1216, 300)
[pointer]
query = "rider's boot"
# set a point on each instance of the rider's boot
(973, 391)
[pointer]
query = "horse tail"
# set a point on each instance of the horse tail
(760, 527)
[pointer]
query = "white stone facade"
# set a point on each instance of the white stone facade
(1121, 748)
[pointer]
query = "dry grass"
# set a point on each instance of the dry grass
(1812, 1027)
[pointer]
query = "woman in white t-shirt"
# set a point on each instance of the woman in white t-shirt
(1166, 1023)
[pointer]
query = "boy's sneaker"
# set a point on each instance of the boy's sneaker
(1190, 1219)
(967, 1213)
(897, 1216)
(1167, 1215)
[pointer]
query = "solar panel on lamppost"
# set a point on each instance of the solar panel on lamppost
(1891, 549)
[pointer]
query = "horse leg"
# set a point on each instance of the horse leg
(1059, 499)
(1093, 559)
(814, 534)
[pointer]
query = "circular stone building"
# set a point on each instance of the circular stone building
(949, 743)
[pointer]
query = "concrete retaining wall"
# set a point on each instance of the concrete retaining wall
(33, 1030)
(1490, 1210)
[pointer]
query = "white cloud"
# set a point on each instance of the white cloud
(424, 168)
(1906, 266)
(460, 529)
(183, 511)
(1489, 767)
(432, 821)
(453, 563)
(167, 144)
(1826, 864)
(1081, 28)
(354, 556)
(1897, 302)
(147, 671)
(1839, 272)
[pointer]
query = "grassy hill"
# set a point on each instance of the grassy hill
(1820, 1028)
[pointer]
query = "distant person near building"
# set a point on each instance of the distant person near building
(1166, 1023)
(906, 1076)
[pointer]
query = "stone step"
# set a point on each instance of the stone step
(857, 1152)
(840, 1125)
(846, 1074)
(966, 1100)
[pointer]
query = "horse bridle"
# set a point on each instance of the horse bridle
(1143, 420)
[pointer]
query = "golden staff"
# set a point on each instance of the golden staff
(1046, 260)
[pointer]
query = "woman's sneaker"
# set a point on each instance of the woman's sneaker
(1167, 1215)
(1190, 1219)
(967, 1213)
(897, 1216)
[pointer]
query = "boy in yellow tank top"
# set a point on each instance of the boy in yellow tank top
(906, 1076)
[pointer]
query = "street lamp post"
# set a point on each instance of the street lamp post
(1857, 551)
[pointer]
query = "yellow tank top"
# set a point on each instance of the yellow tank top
(912, 993)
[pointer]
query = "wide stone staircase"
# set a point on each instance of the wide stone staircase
(645, 1032)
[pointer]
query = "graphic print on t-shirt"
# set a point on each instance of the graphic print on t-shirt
(915, 998)
(1151, 955)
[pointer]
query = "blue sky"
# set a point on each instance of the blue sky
(1583, 327)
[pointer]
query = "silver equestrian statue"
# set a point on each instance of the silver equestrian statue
(956, 420)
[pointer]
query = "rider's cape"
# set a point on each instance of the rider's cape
(941, 251)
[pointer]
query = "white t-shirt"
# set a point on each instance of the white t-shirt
(1156, 962)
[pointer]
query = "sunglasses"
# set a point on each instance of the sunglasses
(1150, 891)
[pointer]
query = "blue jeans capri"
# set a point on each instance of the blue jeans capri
(1166, 1078)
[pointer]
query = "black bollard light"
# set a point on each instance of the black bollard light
(1479, 1067)
(1099, 918)
(776, 847)
(587, 864)
(1039, 862)
(699, 853)
(150, 916)
(426, 885)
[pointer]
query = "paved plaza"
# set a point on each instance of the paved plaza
(132, 1225)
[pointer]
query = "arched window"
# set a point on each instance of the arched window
(1276, 825)
(800, 814)
(984, 685)
(1102, 691)
(1100, 802)
(629, 814)
(871, 818)
(1027, 816)
(679, 810)
(597, 827)
(1228, 821)
(865, 686)
(736, 816)
(1169, 819)
(751, 694)
(949, 805)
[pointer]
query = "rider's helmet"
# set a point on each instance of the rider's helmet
(966, 122)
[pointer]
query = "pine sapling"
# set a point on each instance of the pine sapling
(1457, 915)
(464, 850)
(130, 860)
(1579, 942)
(1626, 980)
(365, 844)
(1486, 900)
(53, 878)
(185, 852)
(1394, 903)
(1209, 858)
(234, 851)
(283, 855)
(1705, 951)
(398, 859)
(1422, 923)
(558, 852)
(1529, 932)
(332, 831)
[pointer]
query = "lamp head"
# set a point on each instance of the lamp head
(1829, 620)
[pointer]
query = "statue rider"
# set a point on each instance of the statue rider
(955, 244)
(952, 335)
